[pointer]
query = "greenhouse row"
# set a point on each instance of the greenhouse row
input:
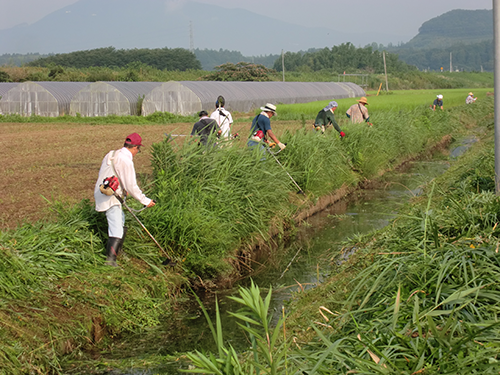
(92, 99)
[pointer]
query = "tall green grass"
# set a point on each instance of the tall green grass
(212, 202)
(418, 297)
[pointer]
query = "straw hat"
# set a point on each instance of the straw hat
(471, 94)
(363, 100)
(269, 108)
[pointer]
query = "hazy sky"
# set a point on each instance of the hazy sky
(398, 17)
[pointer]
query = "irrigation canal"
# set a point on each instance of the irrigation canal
(303, 264)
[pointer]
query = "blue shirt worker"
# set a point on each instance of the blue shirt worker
(261, 127)
(438, 102)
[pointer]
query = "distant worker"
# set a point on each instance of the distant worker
(261, 128)
(326, 117)
(438, 102)
(358, 112)
(205, 128)
(223, 117)
(117, 177)
(470, 98)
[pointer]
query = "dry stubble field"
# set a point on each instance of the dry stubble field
(42, 163)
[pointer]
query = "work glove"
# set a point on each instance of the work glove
(281, 145)
(342, 134)
(272, 144)
(323, 129)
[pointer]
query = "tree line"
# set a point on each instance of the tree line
(342, 58)
(159, 58)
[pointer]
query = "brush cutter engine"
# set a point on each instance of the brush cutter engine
(109, 185)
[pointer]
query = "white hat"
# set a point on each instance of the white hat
(440, 96)
(269, 108)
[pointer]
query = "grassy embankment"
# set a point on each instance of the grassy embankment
(58, 299)
(422, 294)
(417, 297)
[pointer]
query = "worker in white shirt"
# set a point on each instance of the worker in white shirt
(117, 177)
(222, 117)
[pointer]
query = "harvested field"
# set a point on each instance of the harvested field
(42, 163)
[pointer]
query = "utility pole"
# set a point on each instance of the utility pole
(385, 70)
(191, 37)
(496, 40)
(451, 65)
(283, 64)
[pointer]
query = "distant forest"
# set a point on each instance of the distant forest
(338, 59)
(343, 58)
(159, 58)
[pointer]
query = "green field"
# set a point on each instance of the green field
(56, 293)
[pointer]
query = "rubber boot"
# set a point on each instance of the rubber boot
(111, 251)
(119, 250)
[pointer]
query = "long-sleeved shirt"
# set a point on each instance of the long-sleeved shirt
(224, 120)
(357, 113)
(204, 128)
(325, 118)
(470, 99)
(125, 171)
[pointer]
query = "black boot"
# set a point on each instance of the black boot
(112, 250)
(120, 245)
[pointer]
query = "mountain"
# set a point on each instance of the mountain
(128, 24)
(462, 38)
(457, 26)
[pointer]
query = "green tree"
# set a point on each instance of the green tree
(241, 71)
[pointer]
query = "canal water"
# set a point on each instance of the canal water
(319, 244)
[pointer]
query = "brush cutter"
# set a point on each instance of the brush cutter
(281, 165)
(170, 260)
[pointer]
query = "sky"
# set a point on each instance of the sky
(399, 17)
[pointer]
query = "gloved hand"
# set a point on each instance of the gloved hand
(342, 134)
(323, 129)
(281, 145)
(272, 144)
(369, 124)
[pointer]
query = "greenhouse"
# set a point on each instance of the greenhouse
(50, 99)
(4, 87)
(188, 97)
(110, 98)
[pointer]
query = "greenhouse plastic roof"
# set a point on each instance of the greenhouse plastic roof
(189, 97)
(110, 98)
(182, 97)
(40, 98)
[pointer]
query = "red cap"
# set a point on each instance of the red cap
(134, 139)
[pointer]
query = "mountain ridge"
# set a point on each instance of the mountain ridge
(127, 24)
